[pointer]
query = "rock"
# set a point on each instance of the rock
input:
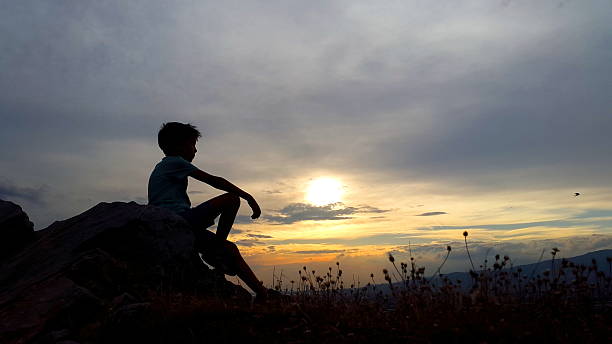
(72, 273)
(16, 230)
(129, 324)
(122, 300)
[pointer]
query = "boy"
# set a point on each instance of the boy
(168, 188)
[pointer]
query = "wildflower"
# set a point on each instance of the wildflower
(385, 271)
(391, 259)
(448, 248)
(465, 233)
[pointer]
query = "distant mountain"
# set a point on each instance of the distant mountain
(528, 270)
(535, 269)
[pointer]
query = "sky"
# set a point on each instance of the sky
(430, 118)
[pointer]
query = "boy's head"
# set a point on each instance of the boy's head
(176, 138)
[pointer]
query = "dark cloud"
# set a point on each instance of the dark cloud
(260, 236)
(243, 219)
(433, 97)
(249, 242)
(297, 212)
(432, 213)
(594, 213)
(10, 191)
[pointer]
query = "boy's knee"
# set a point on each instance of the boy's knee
(232, 200)
(231, 247)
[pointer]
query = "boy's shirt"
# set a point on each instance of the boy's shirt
(168, 184)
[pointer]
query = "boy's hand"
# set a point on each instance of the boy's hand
(255, 207)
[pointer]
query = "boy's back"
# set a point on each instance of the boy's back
(168, 184)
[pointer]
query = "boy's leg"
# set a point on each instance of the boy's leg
(243, 269)
(227, 205)
(203, 216)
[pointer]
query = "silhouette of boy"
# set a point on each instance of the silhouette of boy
(168, 188)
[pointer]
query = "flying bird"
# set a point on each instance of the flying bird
(576, 194)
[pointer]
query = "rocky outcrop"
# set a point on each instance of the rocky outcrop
(112, 256)
(16, 230)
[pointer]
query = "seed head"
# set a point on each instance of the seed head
(448, 248)
(465, 233)
(391, 259)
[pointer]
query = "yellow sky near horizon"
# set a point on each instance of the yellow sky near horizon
(362, 241)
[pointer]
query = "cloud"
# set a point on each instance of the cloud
(318, 251)
(260, 236)
(9, 191)
(374, 239)
(432, 213)
(296, 212)
(596, 217)
(249, 242)
(463, 95)
(273, 192)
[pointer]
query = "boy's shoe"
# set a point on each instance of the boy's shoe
(271, 295)
(218, 261)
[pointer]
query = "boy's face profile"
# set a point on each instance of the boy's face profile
(187, 150)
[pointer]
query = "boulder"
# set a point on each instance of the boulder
(77, 268)
(16, 230)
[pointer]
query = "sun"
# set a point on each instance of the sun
(323, 191)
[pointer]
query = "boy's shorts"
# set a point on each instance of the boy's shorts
(200, 217)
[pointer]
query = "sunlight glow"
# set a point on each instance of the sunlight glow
(324, 191)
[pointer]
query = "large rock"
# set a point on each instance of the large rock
(16, 230)
(72, 273)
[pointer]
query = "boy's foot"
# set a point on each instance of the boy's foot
(271, 295)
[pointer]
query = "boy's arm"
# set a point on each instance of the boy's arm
(222, 184)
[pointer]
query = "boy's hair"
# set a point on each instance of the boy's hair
(174, 134)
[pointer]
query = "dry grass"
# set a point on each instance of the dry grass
(568, 303)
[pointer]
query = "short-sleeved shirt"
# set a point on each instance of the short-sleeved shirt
(168, 184)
